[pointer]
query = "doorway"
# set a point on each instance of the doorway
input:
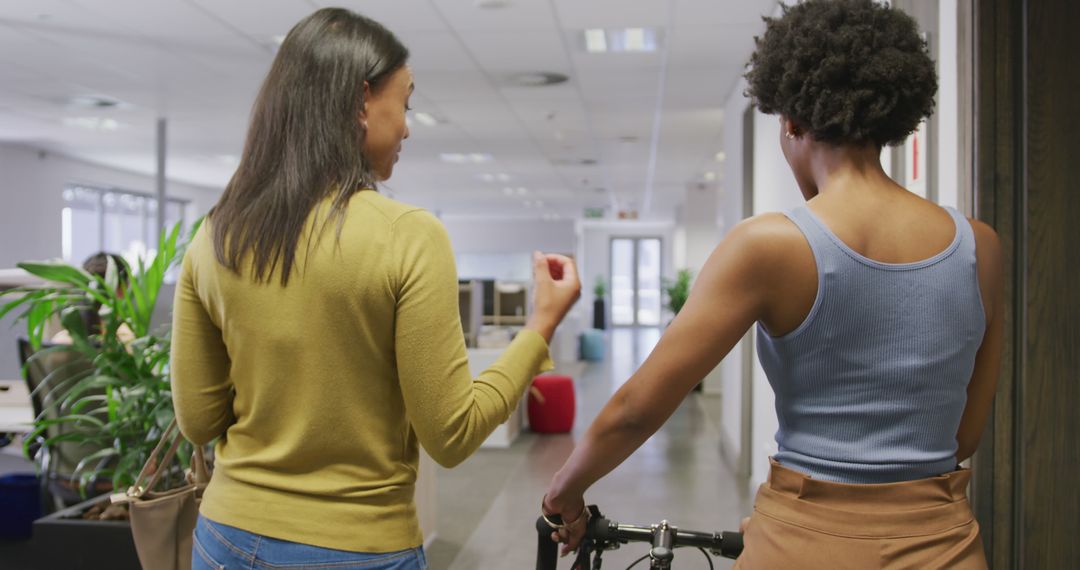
(636, 264)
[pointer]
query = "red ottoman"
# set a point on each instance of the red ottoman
(551, 404)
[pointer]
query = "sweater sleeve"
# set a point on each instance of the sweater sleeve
(450, 412)
(200, 364)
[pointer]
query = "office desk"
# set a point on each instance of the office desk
(16, 411)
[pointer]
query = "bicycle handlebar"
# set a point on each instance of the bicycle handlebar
(606, 534)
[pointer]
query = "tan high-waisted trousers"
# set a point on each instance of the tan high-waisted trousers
(800, 522)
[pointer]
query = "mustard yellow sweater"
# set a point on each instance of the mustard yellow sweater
(322, 389)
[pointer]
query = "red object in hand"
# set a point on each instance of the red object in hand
(552, 404)
(555, 267)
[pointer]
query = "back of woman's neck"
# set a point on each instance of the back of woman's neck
(836, 170)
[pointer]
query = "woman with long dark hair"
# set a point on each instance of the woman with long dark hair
(878, 313)
(316, 332)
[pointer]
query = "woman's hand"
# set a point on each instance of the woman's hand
(574, 515)
(556, 288)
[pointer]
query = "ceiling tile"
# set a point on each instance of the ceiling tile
(466, 17)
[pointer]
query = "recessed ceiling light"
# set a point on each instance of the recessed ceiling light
(460, 158)
(487, 177)
(595, 40)
(228, 158)
(622, 40)
(278, 39)
(508, 191)
(635, 40)
(453, 157)
(426, 119)
(92, 123)
(521, 191)
(710, 176)
(720, 156)
(502, 177)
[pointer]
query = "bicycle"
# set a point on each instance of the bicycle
(602, 535)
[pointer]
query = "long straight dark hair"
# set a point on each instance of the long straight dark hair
(305, 142)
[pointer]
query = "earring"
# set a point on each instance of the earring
(790, 135)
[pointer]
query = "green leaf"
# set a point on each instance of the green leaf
(54, 386)
(96, 456)
(71, 419)
(80, 406)
(29, 296)
(72, 319)
(56, 272)
(113, 403)
(90, 382)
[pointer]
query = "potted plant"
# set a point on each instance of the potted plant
(599, 311)
(678, 290)
(114, 404)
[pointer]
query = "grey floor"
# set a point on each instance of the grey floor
(487, 505)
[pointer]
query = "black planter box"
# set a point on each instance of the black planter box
(599, 315)
(63, 540)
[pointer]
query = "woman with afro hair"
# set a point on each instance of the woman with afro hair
(878, 313)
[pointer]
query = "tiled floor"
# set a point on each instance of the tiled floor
(488, 505)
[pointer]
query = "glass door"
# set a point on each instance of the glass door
(635, 281)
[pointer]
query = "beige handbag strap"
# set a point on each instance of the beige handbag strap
(202, 472)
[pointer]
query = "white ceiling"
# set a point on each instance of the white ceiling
(199, 63)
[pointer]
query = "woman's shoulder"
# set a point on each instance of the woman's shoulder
(768, 233)
(367, 202)
(400, 221)
(401, 216)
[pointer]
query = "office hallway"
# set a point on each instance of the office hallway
(487, 506)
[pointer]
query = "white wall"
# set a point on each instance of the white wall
(728, 215)
(31, 199)
(948, 106)
(699, 221)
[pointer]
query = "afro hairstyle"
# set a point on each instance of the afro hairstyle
(848, 72)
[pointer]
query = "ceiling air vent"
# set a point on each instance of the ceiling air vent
(537, 79)
(575, 162)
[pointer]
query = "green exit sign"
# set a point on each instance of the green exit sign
(594, 212)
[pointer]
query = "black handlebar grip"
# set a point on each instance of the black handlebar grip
(599, 528)
(547, 550)
(731, 544)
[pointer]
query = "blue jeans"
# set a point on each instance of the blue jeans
(220, 547)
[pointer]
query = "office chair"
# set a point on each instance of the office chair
(59, 459)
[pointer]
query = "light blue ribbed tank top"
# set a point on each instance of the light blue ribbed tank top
(870, 388)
